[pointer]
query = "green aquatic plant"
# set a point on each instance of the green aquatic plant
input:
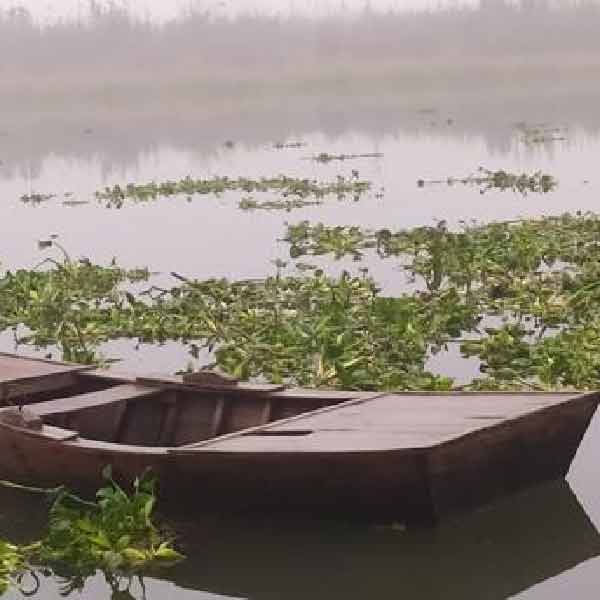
(325, 157)
(288, 145)
(315, 330)
(310, 330)
(36, 198)
(65, 303)
(522, 297)
(115, 534)
(495, 255)
(13, 563)
(287, 187)
(288, 205)
(539, 277)
(486, 180)
(540, 134)
(318, 239)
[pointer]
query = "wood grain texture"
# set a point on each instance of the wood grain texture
(178, 382)
(21, 377)
(90, 400)
(391, 422)
(409, 456)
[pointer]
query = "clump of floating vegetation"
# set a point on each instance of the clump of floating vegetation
(538, 278)
(114, 534)
(324, 157)
(250, 204)
(72, 203)
(286, 187)
(66, 302)
(520, 296)
(288, 145)
(13, 564)
(36, 198)
(540, 134)
(486, 180)
(313, 330)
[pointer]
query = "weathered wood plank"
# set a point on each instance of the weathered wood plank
(196, 419)
(191, 446)
(491, 462)
(414, 456)
(143, 424)
(170, 422)
(90, 400)
(27, 365)
(242, 413)
(22, 377)
(387, 422)
(218, 417)
(177, 381)
(267, 412)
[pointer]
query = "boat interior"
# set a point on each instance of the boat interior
(162, 412)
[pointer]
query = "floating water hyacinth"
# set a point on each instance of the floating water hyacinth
(115, 534)
(288, 145)
(538, 277)
(324, 157)
(486, 180)
(540, 134)
(286, 187)
(250, 204)
(521, 296)
(12, 564)
(36, 198)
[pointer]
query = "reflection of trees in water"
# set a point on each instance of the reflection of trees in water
(112, 87)
(117, 140)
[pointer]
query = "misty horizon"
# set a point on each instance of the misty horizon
(259, 78)
(160, 11)
(113, 45)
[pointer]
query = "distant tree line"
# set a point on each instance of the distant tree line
(111, 40)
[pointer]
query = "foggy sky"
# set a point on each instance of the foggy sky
(162, 10)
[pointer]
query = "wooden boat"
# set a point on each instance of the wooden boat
(215, 443)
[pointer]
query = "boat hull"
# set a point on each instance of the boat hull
(409, 485)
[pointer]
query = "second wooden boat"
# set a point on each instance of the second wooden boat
(214, 443)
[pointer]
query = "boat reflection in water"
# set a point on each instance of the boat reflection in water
(493, 553)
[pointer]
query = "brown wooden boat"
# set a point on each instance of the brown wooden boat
(216, 443)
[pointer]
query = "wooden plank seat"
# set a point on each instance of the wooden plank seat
(119, 393)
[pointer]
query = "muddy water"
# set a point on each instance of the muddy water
(542, 544)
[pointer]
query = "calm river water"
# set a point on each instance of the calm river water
(543, 544)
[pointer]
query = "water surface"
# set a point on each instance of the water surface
(543, 544)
